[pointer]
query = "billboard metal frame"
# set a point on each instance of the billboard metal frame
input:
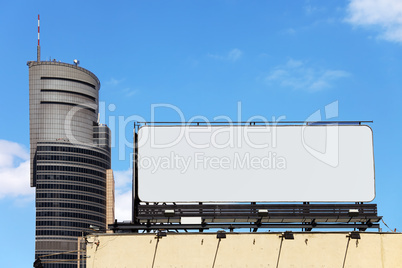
(168, 216)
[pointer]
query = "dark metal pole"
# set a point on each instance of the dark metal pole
(135, 198)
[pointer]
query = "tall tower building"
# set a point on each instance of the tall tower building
(70, 156)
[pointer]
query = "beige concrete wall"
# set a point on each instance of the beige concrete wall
(109, 198)
(245, 250)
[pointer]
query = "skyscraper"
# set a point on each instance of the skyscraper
(70, 156)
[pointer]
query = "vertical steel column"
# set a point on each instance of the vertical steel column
(135, 198)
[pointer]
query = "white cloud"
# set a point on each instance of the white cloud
(294, 63)
(128, 92)
(14, 171)
(122, 178)
(123, 197)
(385, 15)
(233, 55)
(297, 75)
(123, 201)
(289, 31)
(310, 9)
(114, 82)
(14, 179)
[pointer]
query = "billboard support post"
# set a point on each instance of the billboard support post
(135, 198)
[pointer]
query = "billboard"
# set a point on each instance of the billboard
(259, 163)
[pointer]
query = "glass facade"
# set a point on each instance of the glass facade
(70, 153)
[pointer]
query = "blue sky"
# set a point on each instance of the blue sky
(277, 58)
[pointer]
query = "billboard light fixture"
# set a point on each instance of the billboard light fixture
(191, 220)
(161, 234)
(263, 212)
(354, 235)
(221, 234)
(288, 235)
(353, 212)
(169, 212)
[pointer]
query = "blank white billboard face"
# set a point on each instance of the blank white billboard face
(299, 163)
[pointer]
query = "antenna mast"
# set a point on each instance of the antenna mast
(38, 49)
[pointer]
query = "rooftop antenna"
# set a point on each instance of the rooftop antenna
(38, 49)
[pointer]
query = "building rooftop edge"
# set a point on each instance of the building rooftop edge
(244, 233)
(34, 63)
